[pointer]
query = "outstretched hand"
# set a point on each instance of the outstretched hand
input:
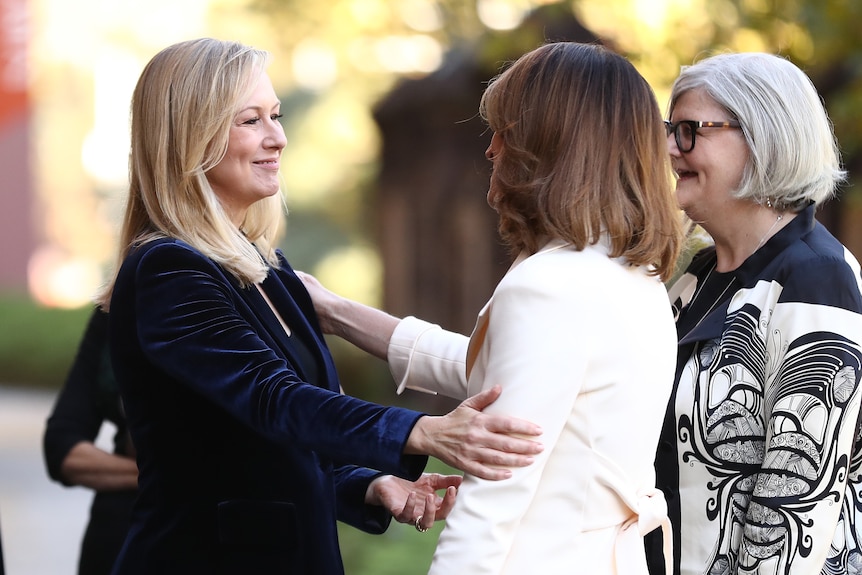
(415, 502)
(480, 444)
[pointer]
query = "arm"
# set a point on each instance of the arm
(421, 355)
(813, 403)
(186, 314)
(70, 454)
(367, 328)
(92, 467)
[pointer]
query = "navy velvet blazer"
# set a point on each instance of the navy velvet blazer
(243, 463)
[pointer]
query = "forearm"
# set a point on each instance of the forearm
(89, 466)
(479, 444)
(367, 328)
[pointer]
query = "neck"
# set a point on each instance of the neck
(747, 236)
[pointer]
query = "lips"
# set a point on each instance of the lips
(684, 174)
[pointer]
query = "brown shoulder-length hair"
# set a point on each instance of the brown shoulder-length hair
(584, 153)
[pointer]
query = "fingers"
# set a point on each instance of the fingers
(436, 481)
(483, 471)
(501, 449)
(511, 425)
(423, 508)
(483, 399)
(425, 520)
(410, 511)
(447, 503)
(500, 423)
(495, 463)
(420, 511)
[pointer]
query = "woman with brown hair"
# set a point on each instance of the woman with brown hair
(578, 332)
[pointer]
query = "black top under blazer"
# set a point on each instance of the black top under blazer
(244, 465)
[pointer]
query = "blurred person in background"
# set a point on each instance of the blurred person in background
(578, 332)
(89, 397)
(247, 452)
(759, 456)
(2, 568)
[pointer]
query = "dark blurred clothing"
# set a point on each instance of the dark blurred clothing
(88, 398)
(2, 569)
(240, 430)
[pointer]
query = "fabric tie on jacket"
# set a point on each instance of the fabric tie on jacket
(650, 513)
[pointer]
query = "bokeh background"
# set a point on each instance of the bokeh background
(384, 173)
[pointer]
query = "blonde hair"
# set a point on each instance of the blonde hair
(583, 152)
(182, 109)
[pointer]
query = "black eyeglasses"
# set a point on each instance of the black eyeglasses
(684, 131)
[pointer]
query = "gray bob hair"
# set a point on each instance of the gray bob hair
(794, 157)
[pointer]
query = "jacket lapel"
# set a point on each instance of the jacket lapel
(269, 320)
(477, 338)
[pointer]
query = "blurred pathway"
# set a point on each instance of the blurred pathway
(41, 522)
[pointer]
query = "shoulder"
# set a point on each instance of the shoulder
(167, 259)
(560, 261)
(587, 276)
(282, 261)
(163, 246)
(164, 250)
(818, 269)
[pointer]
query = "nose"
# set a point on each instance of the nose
(489, 152)
(672, 148)
(276, 138)
(494, 147)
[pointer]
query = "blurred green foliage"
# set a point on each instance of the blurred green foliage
(37, 343)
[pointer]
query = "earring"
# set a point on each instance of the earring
(769, 203)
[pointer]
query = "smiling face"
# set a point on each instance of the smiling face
(712, 171)
(249, 170)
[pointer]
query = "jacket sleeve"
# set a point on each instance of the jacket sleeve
(812, 404)
(190, 326)
(76, 416)
(351, 483)
(424, 357)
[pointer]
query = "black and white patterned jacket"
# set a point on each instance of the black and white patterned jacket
(760, 456)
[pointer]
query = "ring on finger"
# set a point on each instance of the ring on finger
(418, 525)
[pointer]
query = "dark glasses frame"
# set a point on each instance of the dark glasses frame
(693, 126)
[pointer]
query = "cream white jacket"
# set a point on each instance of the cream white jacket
(583, 345)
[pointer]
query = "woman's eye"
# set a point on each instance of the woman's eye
(252, 121)
(276, 117)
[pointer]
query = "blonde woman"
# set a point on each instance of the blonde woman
(247, 452)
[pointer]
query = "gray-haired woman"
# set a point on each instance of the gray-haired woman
(758, 457)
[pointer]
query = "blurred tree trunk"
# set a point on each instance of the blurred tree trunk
(841, 215)
(438, 238)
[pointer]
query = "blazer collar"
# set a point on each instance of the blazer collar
(477, 338)
(283, 301)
